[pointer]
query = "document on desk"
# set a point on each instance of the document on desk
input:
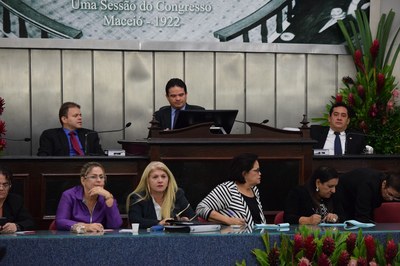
(197, 228)
(349, 224)
(278, 227)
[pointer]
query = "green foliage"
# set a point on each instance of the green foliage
(373, 94)
(287, 247)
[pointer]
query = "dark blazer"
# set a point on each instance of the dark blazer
(15, 212)
(163, 115)
(299, 203)
(143, 212)
(54, 142)
(355, 141)
(359, 192)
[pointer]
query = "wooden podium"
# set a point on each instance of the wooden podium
(200, 159)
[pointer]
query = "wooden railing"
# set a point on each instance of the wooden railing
(26, 13)
(259, 17)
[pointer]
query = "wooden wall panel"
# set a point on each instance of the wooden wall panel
(139, 92)
(291, 89)
(260, 88)
(14, 88)
(230, 83)
(46, 92)
(108, 96)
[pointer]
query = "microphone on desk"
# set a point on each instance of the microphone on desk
(12, 139)
(101, 132)
(261, 123)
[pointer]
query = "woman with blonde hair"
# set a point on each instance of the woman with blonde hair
(157, 198)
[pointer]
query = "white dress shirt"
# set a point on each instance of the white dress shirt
(330, 141)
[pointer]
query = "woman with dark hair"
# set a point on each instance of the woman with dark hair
(314, 202)
(237, 201)
(12, 207)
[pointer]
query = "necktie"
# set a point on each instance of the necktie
(75, 143)
(338, 144)
(175, 117)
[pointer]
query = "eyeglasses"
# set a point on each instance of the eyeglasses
(256, 170)
(5, 185)
(93, 177)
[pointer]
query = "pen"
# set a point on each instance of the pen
(231, 213)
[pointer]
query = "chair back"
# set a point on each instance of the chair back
(53, 226)
(388, 212)
(279, 218)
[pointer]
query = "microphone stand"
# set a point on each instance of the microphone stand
(101, 132)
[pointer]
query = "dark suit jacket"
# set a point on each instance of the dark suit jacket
(143, 212)
(163, 115)
(355, 141)
(359, 193)
(54, 142)
(15, 212)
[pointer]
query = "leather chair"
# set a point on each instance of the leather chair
(279, 218)
(388, 212)
(53, 226)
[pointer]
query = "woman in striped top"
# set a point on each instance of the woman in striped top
(237, 201)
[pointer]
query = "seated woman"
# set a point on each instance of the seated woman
(12, 207)
(315, 202)
(88, 207)
(237, 201)
(157, 198)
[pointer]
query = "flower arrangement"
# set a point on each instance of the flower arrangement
(2, 126)
(311, 247)
(373, 95)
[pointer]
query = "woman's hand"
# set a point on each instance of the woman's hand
(331, 218)
(164, 221)
(8, 228)
(94, 227)
(99, 191)
(313, 219)
(235, 221)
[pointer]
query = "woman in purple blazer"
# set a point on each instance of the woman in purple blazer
(88, 207)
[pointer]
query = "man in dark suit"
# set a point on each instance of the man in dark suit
(352, 141)
(70, 139)
(176, 93)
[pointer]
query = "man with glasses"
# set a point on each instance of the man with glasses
(12, 211)
(362, 190)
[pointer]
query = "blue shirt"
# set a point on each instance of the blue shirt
(173, 112)
(72, 152)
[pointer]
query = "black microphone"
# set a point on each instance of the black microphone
(101, 132)
(10, 139)
(262, 122)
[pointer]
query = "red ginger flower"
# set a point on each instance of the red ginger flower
(362, 261)
(297, 243)
(380, 82)
(371, 247)
(309, 246)
(328, 246)
(344, 258)
(273, 257)
(361, 91)
(373, 111)
(358, 60)
(2, 127)
(323, 260)
(304, 262)
(350, 99)
(2, 103)
(396, 93)
(339, 98)
(374, 50)
(2, 144)
(391, 251)
(351, 243)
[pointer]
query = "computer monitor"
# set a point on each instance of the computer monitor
(220, 118)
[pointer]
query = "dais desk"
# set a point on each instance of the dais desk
(113, 248)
